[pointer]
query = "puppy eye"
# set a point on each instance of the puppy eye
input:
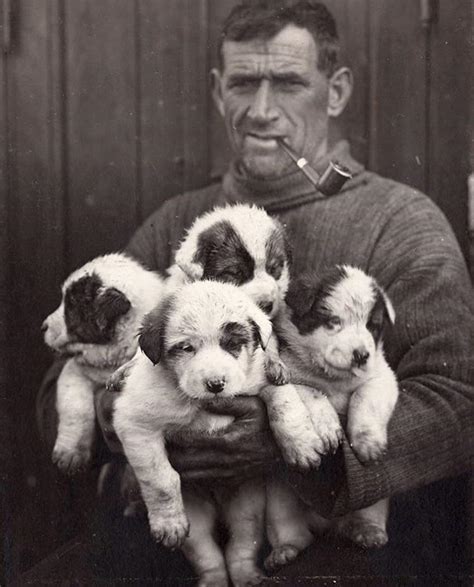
(333, 322)
(182, 347)
(275, 269)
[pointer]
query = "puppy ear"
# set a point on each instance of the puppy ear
(109, 306)
(389, 309)
(152, 333)
(261, 326)
(301, 295)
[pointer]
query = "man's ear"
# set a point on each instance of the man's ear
(340, 90)
(216, 87)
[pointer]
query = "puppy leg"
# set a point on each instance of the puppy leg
(324, 417)
(287, 525)
(160, 484)
(75, 405)
(291, 425)
(370, 410)
(276, 370)
(200, 547)
(244, 514)
(366, 527)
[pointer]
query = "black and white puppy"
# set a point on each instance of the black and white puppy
(239, 244)
(206, 339)
(98, 320)
(332, 341)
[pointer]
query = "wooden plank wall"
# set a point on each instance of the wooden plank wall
(106, 112)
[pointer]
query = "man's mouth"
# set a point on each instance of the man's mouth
(262, 140)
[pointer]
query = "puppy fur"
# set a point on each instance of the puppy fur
(332, 337)
(206, 339)
(240, 244)
(97, 322)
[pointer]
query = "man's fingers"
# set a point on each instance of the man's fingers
(242, 408)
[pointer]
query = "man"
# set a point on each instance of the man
(279, 77)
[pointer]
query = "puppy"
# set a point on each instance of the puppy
(332, 337)
(240, 244)
(206, 339)
(97, 321)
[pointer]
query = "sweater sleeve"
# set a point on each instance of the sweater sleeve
(418, 261)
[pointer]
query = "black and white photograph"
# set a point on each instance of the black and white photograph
(236, 296)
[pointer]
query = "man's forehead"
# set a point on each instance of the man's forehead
(291, 47)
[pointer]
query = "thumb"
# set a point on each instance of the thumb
(239, 407)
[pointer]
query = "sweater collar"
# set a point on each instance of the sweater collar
(290, 190)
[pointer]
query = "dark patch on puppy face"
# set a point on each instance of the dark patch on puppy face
(234, 336)
(223, 255)
(379, 318)
(91, 312)
(152, 333)
(257, 335)
(277, 251)
(307, 297)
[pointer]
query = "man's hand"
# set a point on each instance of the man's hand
(244, 449)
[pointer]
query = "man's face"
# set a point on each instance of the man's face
(270, 89)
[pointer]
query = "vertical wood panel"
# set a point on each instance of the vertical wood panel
(195, 94)
(450, 99)
(36, 248)
(220, 151)
(161, 90)
(352, 24)
(101, 126)
(398, 91)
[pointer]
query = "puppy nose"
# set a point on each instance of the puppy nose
(215, 385)
(360, 357)
(44, 326)
(267, 307)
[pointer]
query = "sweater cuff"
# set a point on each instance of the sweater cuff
(342, 484)
(363, 484)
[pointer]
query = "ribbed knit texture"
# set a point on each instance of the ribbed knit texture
(400, 237)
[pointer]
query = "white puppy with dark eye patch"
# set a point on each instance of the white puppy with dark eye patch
(97, 322)
(239, 244)
(332, 340)
(205, 339)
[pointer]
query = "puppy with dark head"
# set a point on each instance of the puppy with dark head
(244, 246)
(205, 340)
(97, 322)
(332, 333)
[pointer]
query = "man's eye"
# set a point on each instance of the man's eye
(242, 84)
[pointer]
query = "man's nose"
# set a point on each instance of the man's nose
(263, 108)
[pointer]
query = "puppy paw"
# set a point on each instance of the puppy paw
(281, 556)
(363, 533)
(276, 371)
(368, 444)
(302, 451)
(71, 460)
(214, 578)
(329, 431)
(245, 575)
(169, 531)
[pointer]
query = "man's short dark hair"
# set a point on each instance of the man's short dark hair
(263, 19)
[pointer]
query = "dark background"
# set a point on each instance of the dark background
(105, 112)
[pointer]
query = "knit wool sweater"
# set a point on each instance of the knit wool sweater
(399, 236)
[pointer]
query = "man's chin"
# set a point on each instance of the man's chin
(261, 167)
